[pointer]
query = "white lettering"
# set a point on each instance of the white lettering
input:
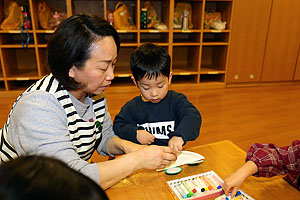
(160, 130)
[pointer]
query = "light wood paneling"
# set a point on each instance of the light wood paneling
(297, 71)
(283, 41)
(249, 32)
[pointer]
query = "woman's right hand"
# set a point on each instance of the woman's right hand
(155, 157)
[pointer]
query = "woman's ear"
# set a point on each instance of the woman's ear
(170, 77)
(72, 71)
(133, 80)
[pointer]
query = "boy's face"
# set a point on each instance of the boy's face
(154, 90)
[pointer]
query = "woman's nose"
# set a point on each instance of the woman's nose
(110, 74)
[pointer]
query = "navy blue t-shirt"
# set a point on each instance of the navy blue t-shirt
(173, 116)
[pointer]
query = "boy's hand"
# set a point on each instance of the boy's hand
(176, 143)
(144, 137)
(235, 180)
(232, 184)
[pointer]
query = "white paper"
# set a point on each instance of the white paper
(185, 157)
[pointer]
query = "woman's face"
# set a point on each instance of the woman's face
(98, 71)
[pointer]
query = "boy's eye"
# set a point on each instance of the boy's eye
(145, 87)
(161, 86)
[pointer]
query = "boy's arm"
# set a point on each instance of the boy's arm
(266, 160)
(190, 119)
(124, 125)
(272, 160)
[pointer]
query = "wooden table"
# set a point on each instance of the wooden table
(221, 157)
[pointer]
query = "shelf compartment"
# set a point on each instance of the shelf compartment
(122, 71)
(212, 78)
(197, 7)
(222, 6)
(185, 37)
(159, 38)
(42, 58)
(43, 38)
(214, 58)
(162, 9)
(55, 5)
(2, 85)
(1, 72)
(208, 69)
(185, 59)
(110, 7)
(15, 38)
(215, 37)
(180, 79)
(19, 85)
(20, 63)
(122, 67)
(128, 38)
(122, 82)
(95, 7)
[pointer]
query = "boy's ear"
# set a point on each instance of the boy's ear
(133, 80)
(170, 77)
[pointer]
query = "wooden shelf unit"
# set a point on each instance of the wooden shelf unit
(198, 55)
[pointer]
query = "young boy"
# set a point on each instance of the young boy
(158, 116)
(267, 160)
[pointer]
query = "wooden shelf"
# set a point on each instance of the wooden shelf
(198, 55)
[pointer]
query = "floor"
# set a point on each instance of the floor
(244, 115)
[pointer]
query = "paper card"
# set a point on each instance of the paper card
(185, 157)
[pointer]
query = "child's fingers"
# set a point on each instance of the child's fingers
(226, 189)
(234, 191)
(179, 146)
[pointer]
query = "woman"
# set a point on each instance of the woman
(57, 115)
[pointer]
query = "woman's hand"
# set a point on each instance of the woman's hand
(155, 157)
(147, 157)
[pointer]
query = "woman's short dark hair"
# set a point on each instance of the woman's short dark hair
(70, 45)
(149, 61)
(39, 177)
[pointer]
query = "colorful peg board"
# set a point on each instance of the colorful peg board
(202, 186)
(192, 187)
(239, 196)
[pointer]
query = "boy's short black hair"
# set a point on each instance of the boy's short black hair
(71, 43)
(150, 61)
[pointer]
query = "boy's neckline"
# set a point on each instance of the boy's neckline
(143, 98)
